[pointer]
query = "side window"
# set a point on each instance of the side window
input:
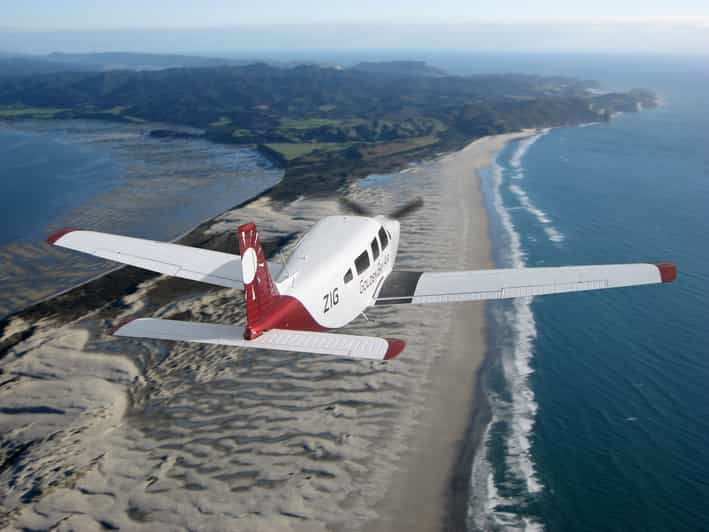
(348, 276)
(375, 249)
(383, 238)
(362, 262)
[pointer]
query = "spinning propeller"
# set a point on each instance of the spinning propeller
(398, 213)
(272, 245)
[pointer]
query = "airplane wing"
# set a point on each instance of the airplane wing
(213, 267)
(447, 287)
(343, 345)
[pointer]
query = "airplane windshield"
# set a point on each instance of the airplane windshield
(383, 238)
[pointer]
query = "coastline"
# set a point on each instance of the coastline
(430, 490)
(379, 476)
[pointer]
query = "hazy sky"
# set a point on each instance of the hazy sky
(501, 25)
(93, 14)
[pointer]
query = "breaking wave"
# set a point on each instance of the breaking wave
(517, 172)
(522, 149)
(514, 409)
(552, 232)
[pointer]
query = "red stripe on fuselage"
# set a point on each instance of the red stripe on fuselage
(266, 309)
(284, 312)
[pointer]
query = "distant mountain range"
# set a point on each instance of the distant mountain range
(362, 111)
(23, 65)
(18, 65)
(14, 65)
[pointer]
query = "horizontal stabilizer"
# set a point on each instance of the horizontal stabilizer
(343, 345)
(448, 287)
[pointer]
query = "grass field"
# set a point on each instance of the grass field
(308, 123)
(390, 148)
(295, 150)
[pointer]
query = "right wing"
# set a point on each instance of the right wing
(213, 267)
(343, 345)
(447, 287)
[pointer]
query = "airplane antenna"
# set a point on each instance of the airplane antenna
(283, 260)
(365, 316)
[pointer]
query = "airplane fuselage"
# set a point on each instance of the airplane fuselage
(338, 267)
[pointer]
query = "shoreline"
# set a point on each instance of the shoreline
(430, 490)
(460, 487)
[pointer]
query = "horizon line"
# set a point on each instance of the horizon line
(696, 21)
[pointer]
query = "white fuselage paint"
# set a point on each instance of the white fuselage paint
(315, 271)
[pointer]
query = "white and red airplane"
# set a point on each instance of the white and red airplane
(342, 266)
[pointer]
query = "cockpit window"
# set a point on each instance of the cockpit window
(348, 276)
(375, 249)
(384, 239)
(362, 262)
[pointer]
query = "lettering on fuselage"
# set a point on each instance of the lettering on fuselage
(366, 283)
(331, 299)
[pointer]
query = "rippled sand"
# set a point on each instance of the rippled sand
(142, 435)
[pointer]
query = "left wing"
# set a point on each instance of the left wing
(213, 267)
(447, 287)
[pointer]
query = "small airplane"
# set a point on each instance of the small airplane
(341, 267)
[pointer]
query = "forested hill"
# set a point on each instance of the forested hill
(315, 109)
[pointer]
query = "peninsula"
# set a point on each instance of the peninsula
(325, 124)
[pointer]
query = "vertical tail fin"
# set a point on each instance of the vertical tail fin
(259, 289)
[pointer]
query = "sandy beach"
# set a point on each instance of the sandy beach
(141, 435)
(419, 496)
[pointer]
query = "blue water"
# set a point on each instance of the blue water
(599, 400)
(43, 177)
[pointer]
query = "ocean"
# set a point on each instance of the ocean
(600, 414)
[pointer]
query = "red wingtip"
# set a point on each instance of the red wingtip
(120, 325)
(395, 348)
(668, 271)
(56, 236)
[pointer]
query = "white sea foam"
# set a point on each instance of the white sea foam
(518, 173)
(518, 413)
(522, 149)
(484, 511)
(552, 232)
(484, 497)
(516, 361)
